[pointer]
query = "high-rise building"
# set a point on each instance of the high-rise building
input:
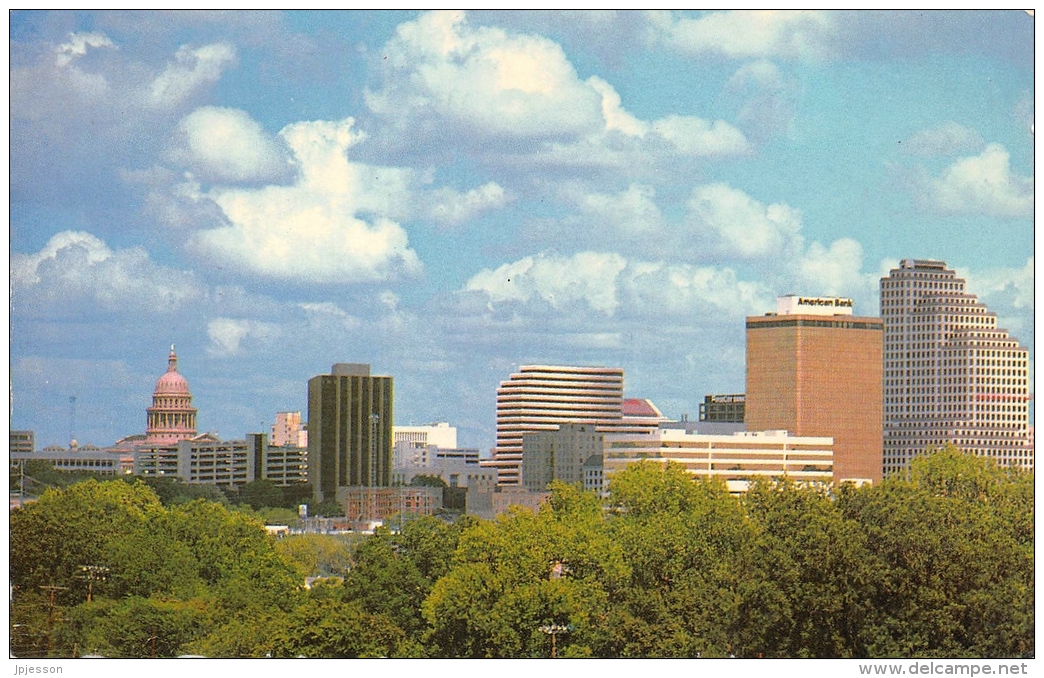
(951, 375)
(349, 430)
(540, 397)
(558, 455)
(289, 431)
(171, 417)
(814, 369)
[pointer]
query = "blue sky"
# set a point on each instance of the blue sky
(448, 196)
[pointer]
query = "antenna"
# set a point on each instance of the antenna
(72, 420)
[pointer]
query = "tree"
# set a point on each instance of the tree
(261, 493)
(317, 554)
(330, 628)
(134, 627)
(523, 571)
(385, 581)
(53, 538)
(955, 557)
(686, 546)
(816, 569)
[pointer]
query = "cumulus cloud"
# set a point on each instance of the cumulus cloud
(227, 145)
(587, 277)
(748, 34)
(446, 81)
(837, 270)
(630, 213)
(78, 45)
(982, 184)
(450, 207)
(657, 288)
(731, 222)
(440, 68)
(697, 137)
(309, 231)
(1011, 286)
(191, 69)
(765, 96)
(76, 270)
(610, 284)
(948, 138)
(227, 334)
(616, 118)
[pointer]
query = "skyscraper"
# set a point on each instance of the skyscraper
(349, 430)
(540, 397)
(951, 375)
(814, 369)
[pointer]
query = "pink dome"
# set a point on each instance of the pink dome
(171, 417)
(172, 383)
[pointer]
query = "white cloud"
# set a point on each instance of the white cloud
(611, 285)
(766, 99)
(761, 73)
(696, 137)
(616, 118)
(309, 231)
(227, 334)
(1011, 286)
(836, 270)
(329, 313)
(982, 184)
(76, 268)
(732, 222)
(630, 213)
(77, 46)
(587, 277)
(445, 79)
(450, 207)
(748, 34)
(439, 67)
(653, 289)
(227, 145)
(945, 139)
(191, 70)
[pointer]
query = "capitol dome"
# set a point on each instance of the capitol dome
(171, 417)
(172, 383)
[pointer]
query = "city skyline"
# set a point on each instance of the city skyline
(450, 196)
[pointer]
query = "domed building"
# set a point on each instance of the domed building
(171, 417)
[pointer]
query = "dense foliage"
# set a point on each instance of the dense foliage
(936, 564)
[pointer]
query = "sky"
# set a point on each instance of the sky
(449, 195)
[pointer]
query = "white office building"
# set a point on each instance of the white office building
(950, 374)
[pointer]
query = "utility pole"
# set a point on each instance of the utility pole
(72, 419)
(553, 630)
(93, 573)
(50, 612)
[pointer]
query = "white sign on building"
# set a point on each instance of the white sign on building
(793, 304)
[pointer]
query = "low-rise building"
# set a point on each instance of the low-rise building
(201, 459)
(86, 458)
(737, 459)
(371, 504)
(23, 441)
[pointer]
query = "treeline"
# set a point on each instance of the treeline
(936, 564)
